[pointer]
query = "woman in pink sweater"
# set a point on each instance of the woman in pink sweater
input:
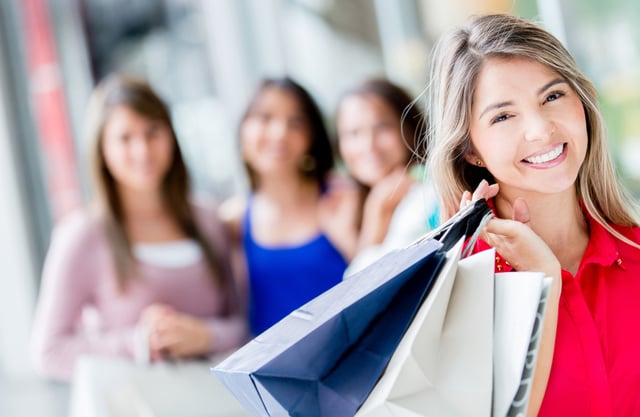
(152, 265)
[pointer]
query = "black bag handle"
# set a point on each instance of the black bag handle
(468, 222)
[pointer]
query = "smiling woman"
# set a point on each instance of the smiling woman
(532, 104)
(296, 228)
(379, 130)
(112, 258)
(514, 119)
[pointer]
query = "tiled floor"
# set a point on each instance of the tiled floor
(32, 397)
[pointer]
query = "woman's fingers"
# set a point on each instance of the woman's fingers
(521, 211)
(507, 228)
(482, 191)
(465, 200)
(486, 191)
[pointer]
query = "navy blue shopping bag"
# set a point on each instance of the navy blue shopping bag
(324, 358)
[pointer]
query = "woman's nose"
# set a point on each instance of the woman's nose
(277, 129)
(139, 146)
(539, 127)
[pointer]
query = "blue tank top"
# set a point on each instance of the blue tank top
(283, 278)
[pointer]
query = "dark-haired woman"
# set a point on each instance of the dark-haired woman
(152, 265)
(378, 136)
(296, 227)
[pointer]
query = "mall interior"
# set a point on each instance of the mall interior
(205, 57)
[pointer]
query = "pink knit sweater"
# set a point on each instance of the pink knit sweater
(79, 272)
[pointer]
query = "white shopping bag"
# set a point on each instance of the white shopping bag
(116, 387)
(520, 304)
(443, 365)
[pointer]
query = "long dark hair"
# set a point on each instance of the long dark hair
(320, 150)
(137, 95)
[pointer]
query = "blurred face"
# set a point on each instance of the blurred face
(137, 150)
(370, 138)
(528, 127)
(275, 135)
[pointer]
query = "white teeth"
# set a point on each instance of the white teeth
(549, 156)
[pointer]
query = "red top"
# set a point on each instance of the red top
(596, 362)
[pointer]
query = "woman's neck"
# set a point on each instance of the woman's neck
(288, 191)
(146, 218)
(137, 203)
(558, 219)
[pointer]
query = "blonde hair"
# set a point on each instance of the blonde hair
(137, 95)
(456, 62)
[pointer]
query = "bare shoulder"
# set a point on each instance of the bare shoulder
(341, 193)
(231, 212)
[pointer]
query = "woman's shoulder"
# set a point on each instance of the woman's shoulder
(232, 212)
(633, 234)
(79, 238)
(81, 226)
(218, 218)
(233, 208)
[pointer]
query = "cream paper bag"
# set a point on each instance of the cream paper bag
(443, 365)
(116, 387)
(520, 305)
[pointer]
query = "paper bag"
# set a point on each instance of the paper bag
(324, 358)
(520, 304)
(443, 365)
(106, 386)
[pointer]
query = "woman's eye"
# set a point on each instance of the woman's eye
(499, 118)
(296, 123)
(554, 96)
(260, 117)
(383, 126)
(153, 130)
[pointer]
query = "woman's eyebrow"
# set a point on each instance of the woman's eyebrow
(551, 84)
(508, 103)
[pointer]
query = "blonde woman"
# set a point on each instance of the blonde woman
(513, 118)
(151, 264)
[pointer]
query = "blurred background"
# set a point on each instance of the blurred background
(205, 57)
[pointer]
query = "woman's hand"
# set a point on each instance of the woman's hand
(339, 215)
(484, 190)
(175, 335)
(382, 201)
(513, 238)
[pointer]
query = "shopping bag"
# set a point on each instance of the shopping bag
(324, 358)
(520, 305)
(105, 386)
(443, 365)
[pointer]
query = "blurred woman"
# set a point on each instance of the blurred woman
(296, 228)
(378, 136)
(151, 264)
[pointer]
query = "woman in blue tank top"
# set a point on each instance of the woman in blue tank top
(298, 231)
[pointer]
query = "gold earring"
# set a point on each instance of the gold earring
(479, 163)
(308, 163)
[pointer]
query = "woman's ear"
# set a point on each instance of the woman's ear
(474, 159)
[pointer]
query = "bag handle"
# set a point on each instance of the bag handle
(468, 222)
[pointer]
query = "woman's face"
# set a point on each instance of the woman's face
(528, 127)
(275, 136)
(370, 138)
(138, 151)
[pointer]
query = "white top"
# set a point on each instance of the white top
(176, 254)
(414, 216)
